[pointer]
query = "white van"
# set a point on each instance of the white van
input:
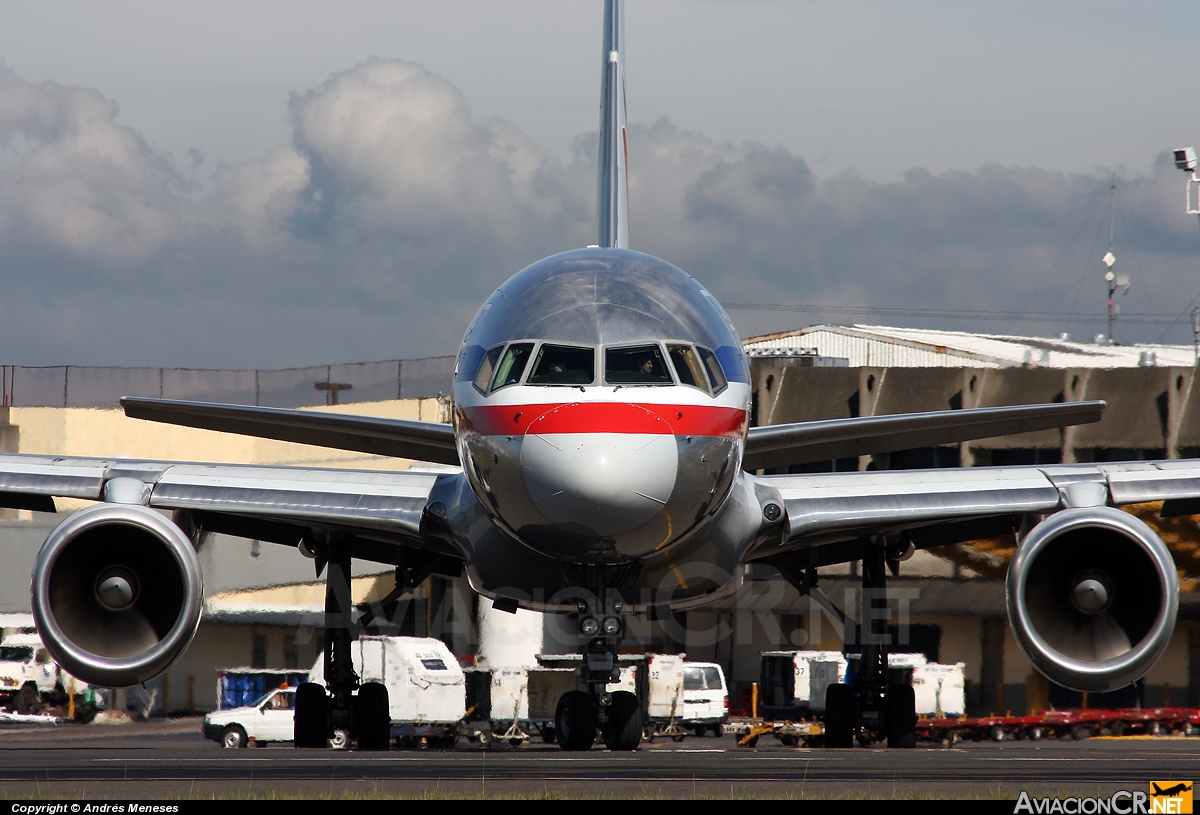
(705, 698)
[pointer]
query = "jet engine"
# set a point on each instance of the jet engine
(117, 593)
(1092, 597)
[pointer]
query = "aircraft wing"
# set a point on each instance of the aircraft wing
(398, 438)
(831, 516)
(804, 442)
(382, 510)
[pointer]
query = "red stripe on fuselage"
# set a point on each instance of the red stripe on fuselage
(603, 417)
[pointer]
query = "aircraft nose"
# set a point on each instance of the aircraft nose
(599, 483)
(599, 473)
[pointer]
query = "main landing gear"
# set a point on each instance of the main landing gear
(579, 714)
(333, 714)
(871, 708)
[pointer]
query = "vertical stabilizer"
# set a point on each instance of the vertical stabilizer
(613, 206)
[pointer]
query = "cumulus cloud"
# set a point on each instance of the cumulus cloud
(394, 212)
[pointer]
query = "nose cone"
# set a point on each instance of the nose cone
(599, 484)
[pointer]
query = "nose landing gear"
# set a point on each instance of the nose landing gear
(617, 714)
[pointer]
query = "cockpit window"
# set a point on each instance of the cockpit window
(512, 365)
(643, 365)
(687, 366)
(715, 374)
(563, 365)
(484, 375)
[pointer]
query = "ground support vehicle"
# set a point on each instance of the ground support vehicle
(705, 699)
(31, 681)
(1076, 724)
(792, 684)
(411, 692)
(748, 728)
(657, 682)
(512, 704)
(269, 719)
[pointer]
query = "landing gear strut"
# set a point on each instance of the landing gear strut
(870, 709)
(333, 714)
(618, 715)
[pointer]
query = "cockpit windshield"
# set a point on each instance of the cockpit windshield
(513, 365)
(484, 374)
(640, 365)
(715, 374)
(563, 365)
(687, 366)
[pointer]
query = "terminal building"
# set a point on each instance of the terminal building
(264, 603)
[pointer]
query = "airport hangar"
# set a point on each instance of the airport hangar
(263, 605)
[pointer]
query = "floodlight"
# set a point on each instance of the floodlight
(1185, 159)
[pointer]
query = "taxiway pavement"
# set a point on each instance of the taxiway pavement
(171, 758)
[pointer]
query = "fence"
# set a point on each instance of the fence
(102, 387)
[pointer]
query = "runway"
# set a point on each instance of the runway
(157, 759)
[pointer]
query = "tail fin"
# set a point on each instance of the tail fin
(614, 174)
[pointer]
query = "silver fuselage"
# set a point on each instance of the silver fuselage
(611, 466)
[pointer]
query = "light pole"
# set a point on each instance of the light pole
(1185, 159)
(1113, 278)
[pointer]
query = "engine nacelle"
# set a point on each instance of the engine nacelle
(1092, 598)
(117, 594)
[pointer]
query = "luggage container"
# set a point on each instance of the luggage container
(529, 697)
(792, 683)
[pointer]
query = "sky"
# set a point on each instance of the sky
(261, 184)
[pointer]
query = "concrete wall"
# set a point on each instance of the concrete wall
(1151, 411)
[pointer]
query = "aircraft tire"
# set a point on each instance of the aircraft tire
(839, 716)
(310, 716)
(901, 716)
(372, 718)
(623, 730)
(575, 721)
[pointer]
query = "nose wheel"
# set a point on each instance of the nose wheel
(617, 715)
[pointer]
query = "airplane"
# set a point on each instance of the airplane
(1169, 792)
(601, 463)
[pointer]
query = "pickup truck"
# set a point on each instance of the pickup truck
(30, 679)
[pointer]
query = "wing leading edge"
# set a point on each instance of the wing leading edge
(804, 442)
(398, 438)
(824, 511)
(387, 503)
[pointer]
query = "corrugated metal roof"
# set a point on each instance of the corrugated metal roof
(884, 346)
